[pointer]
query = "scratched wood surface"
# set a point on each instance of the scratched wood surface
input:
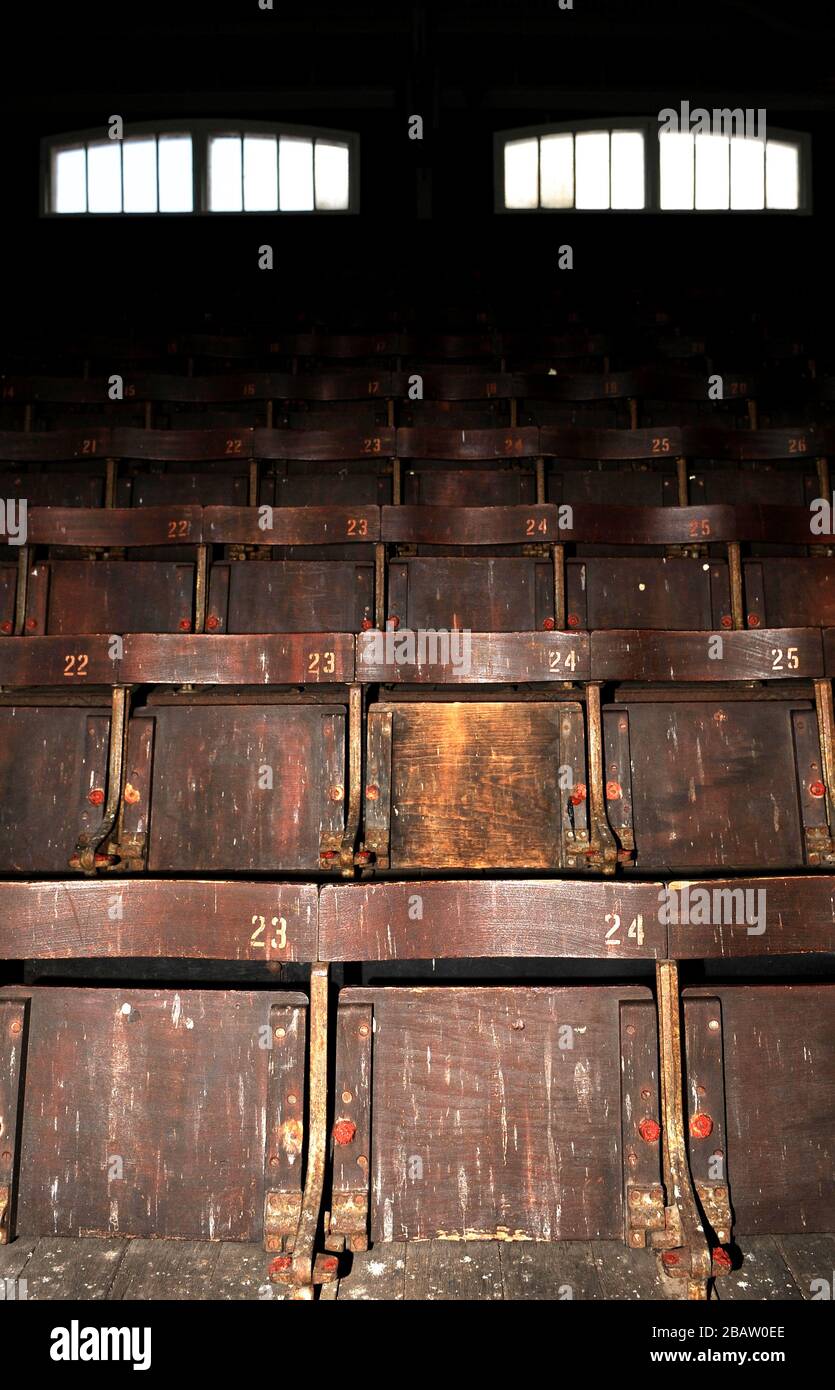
(485, 1122)
(116, 1269)
(244, 787)
(80, 596)
(425, 920)
(476, 786)
(85, 919)
(779, 1050)
(51, 761)
(145, 1111)
(714, 785)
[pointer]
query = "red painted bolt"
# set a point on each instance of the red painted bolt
(6, 626)
(573, 620)
(670, 1259)
(650, 1131)
(727, 620)
(548, 624)
(578, 795)
(328, 854)
(753, 620)
(31, 624)
(280, 1263)
(701, 1125)
(722, 1261)
(372, 792)
(366, 624)
(212, 622)
(131, 794)
(344, 1131)
(185, 624)
(393, 621)
(817, 789)
(613, 791)
(96, 796)
(363, 856)
(329, 1264)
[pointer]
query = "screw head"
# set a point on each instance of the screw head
(817, 789)
(344, 1131)
(548, 624)
(96, 796)
(701, 1125)
(650, 1131)
(212, 622)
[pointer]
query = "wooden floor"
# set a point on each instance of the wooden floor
(772, 1267)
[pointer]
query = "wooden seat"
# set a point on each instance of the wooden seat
(511, 1124)
(215, 784)
(702, 782)
(154, 1112)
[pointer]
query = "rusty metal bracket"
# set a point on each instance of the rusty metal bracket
(22, 590)
(285, 1126)
(643, 1194)
(603, 853)
(348, 850)
(347, 1221)
(12, 1048)
(304, 1268)
(683, 1246)
(826, 734)
(706, 1112)
(380, 585)
(85, 857)
(200, 589)
(735, 577)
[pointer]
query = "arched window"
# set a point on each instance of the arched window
(722, 160)
(201, 167)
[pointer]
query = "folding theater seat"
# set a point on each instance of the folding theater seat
(455, 397)
(56, 468)
(538, 1113)
(202, 467)
(593, 400)
(323, 400)
(480, 467)
(341, 466)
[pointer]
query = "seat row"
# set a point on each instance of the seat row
(639, 1112)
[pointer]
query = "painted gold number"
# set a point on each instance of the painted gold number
(700, 527)
(278, 927)
(532, 525)
(797, 446)
(76, 664)
(357, 526)
(88, 446)
(372, 446)
(234, 446)
(321, 663)
(178, 529)
(661, 446)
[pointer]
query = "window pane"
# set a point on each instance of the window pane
(556, 171)
(176, 189)
(713, 171)
(225, 188)
(295, 174)
(748, 174)
(332, 185)
(627, 169)
(139, 165)
(69, 180)
(260, 173)
(521, 174)
(104, 177)
(675, 152)
(782, 174)
(591, 153)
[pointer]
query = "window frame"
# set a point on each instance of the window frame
(201, 131)
(649, 126)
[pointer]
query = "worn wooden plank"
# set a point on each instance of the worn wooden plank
(763, 1274)
(14, 1258)
(767, 654)
(545, 1271)
(317, 446)
(71, 662)
(811, 1260)
(234, 659)
(232, 921)
(375, 1274)
(317, 525)
(437, 1271)
(627, 1274)
(167, 1270)
(462, 657)
(444, 525)
(240, 1275)
(426, 920)
(67, 1268)
(752, 917)
(115, 526)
